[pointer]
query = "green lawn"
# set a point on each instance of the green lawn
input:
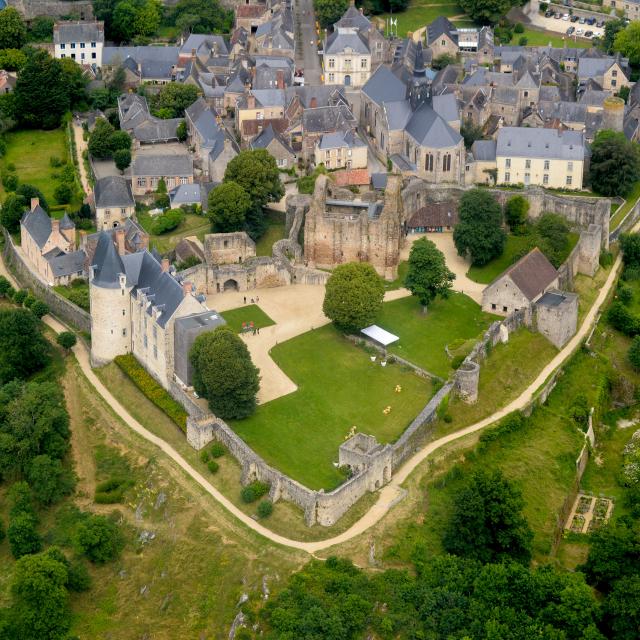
(338, 387)
(398, 283)
(275, 231)
(543, 38)
(420, 14)
(514, 246)
(423, 337)
(249, 313)
(631, 199)
(192, 225)
(30, 152)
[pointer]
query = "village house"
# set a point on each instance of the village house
(113, 201)
(340, 150)
(147, 170)
(136, 119)
(277, 147)
(80, 41)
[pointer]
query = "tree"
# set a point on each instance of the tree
(122, 158)
(12, 211)
(486, 11)
(182, 132)
(611, 29)
(49, 479)
(40, 601)
(23, 349)
(227, 208)
(13, 31)
(147, 18)
(99, 539)
(353, 296)
(630, 247)
(41, 28)
(627, 42)
(172, 100)
(123, 20)
(615, 163)
(428, 275)
(63, 193)
(23, 535)
(487, 522)
(516, 212)
(443, 61)
(120, 140)
(201, 16)
(224, 373)
(75, 81)
(470, 132)
(622, 609)
(479, 234)
(28, 192)
(67, 340)
(12, 59)
(41, 94)
(328, 12)
(257, 173)
(100, 139)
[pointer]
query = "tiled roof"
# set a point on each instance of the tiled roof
(349, 177)
(436, 214)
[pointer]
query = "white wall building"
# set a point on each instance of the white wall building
(80, 41)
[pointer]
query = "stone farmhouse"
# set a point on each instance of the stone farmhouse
(277, 147)
(113, 201)
(49, 245)
(138, 306)
(80, 41)
(145, 129)
(340, 150)
(148, 169)
(143, 64)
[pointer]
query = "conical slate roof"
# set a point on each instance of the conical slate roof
(107, 263)
(66, 222)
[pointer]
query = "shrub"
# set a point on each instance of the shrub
(265, 509)
(10, 181)
(168, 221)
(448, 418)
(66, 339)
(217, 450)
(111, 491)
(152, 390)
(28, 301)
(204, 456)
(20, 296)
(213, 466)
(634, 353)
(457, 361)
(39, 309)
(625, 294)
(54, 162)
(523, 41)
(63, 193)
(254, 491)
(518, 28)
(5, 287)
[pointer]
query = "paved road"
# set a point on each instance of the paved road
(306, 38)
(390, 493)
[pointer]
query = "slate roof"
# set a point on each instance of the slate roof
(113, 191)
(384, 86)
(162, 165)
(446, 106)
(155, 62)
(594, 67)
(38, 225)
(540, 143)
(354, 18)
(67, 264)
(340, 139)
(439, 27)
(484, 150)
(341, 40)
(66, 223)
(428, 129)
(379, 180)
(107, 263)
(266, 137)
(207, 42)
(185, 194)
(532, 274)
(325, 119)
(203, 118)
(78, 32)
(398, 114)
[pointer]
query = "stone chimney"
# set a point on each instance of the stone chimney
(187, 288)
(165, 265)
(120, 241)
(280, 79)
(34, 203)
(55, 226)
(251, 102)
(83, 238)
(193, 54)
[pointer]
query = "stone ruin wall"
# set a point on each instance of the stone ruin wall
(53, 8)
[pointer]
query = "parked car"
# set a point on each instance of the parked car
(597, 34)
(575, 18)
(548, 13)
(579, 32)
(581, 20)
(570, 31)
(600, 23)
(556, 16)
(588, 34)
(591, 21)
(565, 17)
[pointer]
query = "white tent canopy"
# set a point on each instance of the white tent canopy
(379, 335)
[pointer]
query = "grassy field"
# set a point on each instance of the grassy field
(249, 313)
(423, 337)
(338, 387)
(543, 38)
(631, 199)
(275, 231)
(421, 13)
(192, 225)
(514, 246)
(30, 151)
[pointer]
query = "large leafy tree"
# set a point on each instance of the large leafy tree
(487, 11)
(41, 93)
(228, 207)
(353, 296)
(99, 539)
(487, 522)
(611, 30)
(479, 234)
(428, 275)
(615, 163)
(622, 609)
(627, 42)
(201, 16)
(49, 479)
(23, 349)
(13, 31)
(75, 80)
(12, 211)
(224, 374)
(173, 99)
(516, 212)
(257, 173)
(23, 535)
(328, 12)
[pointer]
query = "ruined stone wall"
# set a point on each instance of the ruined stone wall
(53, 8)
(29, 279)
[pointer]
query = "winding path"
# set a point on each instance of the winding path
(388, 494)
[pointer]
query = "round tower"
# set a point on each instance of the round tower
(613, 114)
(110, 301)
(466, 381)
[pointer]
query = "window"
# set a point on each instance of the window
(82, 55)
(62, 55)
(154, 182)
(527, 164)
(184, 180)
(107, 214)
(73, 45)
(142, 182)
(526, 94)
(144, 341)
(123, 312)
(93, 45)
(155, 332)
(569, 166)
(545, 178)
(446, 162)
(155, 352)
(347, 63)
(546, 165)
(363, 63)
(507, 177)
(82, 45)
(63, 45)
(569, 180)
(493, 307)
(527, 178)
(123, 212)
(282, 162)
(614, 74)
(124, 333)
(428, 162)
(613, 83)
(73, 56)
(332, 63)
(443, 43)
(93, 55)
(327, 153)
(504, 309)
(507, 163)
(331, 77)
(259, 115)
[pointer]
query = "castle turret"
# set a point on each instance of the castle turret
(110, 303)
(613, 113)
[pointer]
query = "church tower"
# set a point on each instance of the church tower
(419, 86)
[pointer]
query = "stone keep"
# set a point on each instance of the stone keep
(556, 316)
(467, 379)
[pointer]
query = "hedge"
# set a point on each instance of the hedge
(152, 389)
